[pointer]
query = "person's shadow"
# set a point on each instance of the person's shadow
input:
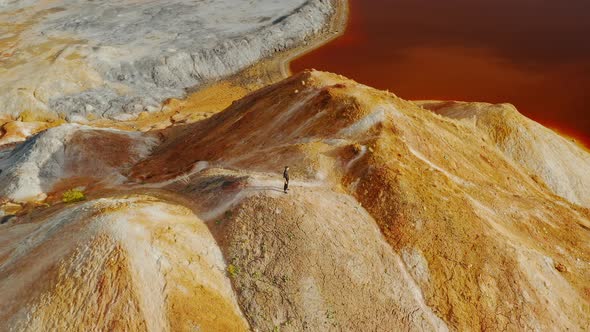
(264, 188)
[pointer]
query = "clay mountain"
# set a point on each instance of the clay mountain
(421, 216)
(142, 148)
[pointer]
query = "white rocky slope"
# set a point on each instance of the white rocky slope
(118, 58)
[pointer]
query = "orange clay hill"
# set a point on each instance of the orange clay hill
(401, 215)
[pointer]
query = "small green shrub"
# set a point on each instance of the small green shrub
(73, 195)
(233, 270)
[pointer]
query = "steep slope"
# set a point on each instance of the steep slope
(397, 219)
(293, 255)
(561, 164)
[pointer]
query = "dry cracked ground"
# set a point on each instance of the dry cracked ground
(400, 216)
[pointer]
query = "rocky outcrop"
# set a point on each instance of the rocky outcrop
(73, 153)
(81, 59)
(396, 218)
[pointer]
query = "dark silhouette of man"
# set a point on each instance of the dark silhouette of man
(286, 177)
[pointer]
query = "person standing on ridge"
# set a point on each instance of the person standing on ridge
(286, 177)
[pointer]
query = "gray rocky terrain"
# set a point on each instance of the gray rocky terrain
(116, 59)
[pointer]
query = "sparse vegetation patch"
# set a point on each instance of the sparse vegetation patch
(73, 195)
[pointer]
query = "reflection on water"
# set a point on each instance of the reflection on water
(533, 54)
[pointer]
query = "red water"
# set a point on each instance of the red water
(533, 54)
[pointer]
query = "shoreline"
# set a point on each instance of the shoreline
(335, 29)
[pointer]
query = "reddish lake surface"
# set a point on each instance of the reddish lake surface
(533, 54)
